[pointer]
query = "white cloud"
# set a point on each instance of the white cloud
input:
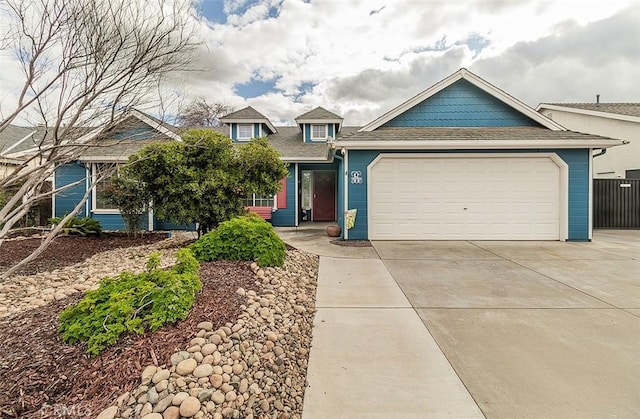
(361, 64)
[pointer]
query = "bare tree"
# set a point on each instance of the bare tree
(83, 62)
(201, 113)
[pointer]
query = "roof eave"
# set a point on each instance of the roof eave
(306, 159)
(476, 144)
(103, 159)
(588, 112)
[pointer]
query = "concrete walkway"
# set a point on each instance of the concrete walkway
(462, 329)
(372, 355)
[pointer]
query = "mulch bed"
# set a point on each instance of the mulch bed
(67, 250)
(40, 376)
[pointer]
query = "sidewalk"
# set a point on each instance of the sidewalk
(371, 354)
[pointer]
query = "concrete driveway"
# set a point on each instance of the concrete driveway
(532, 329)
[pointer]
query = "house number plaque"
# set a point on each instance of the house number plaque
(356, 177)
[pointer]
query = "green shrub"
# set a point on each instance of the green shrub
(79, 226)
(247, 237)
(132, 303)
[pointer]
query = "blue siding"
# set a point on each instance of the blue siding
(579, 179)
(286, 217)
(577, 160)
(306, 130)
(66, 200)
(461, 105)
(340, 192)
(168, 225)
(358, 161)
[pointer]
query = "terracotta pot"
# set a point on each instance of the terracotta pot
(334, 231)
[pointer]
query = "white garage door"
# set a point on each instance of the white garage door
(464, 198)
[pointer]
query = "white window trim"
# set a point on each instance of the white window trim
(238, 132)
(274, 207)
(326, 131)
(95, 210)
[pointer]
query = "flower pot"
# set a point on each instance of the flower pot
(334, 231)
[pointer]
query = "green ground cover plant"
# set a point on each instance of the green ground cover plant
(247, 237)
(132, 303)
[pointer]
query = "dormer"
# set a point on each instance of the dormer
(246, 124)
(319, 125)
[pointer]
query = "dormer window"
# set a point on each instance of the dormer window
(318, 132)
(245, 131)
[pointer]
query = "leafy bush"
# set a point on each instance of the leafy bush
(132, 303)
(131, 198)
(248, 237)
(80, 226)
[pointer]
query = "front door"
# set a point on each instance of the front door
(324, 195)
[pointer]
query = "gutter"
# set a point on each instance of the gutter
(474, 144)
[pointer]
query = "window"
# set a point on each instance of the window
(257, 200)
(245, 131)
(101, 174)
(318, 132)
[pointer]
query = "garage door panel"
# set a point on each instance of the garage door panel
(465, 198)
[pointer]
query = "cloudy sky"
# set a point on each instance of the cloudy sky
(360, 58)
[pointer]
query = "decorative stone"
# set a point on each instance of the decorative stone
(172, 412)
(189, 407)
(160, 375)
(208, 349)
(186, 366)
(203, 370)
(179, 398)
(163, 404)
(205, 326)
(147, 374)
(217, 397)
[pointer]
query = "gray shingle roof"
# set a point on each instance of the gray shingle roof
(288, 142)
(629, 109)
(247, 113)
(461, 134)
(11, 135)
(318, 113)
(116, 150)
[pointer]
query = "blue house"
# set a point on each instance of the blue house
(463, 160)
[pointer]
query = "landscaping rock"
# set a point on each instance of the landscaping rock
(254, 367)
(189, 407)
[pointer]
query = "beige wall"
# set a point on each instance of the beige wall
(617, 160)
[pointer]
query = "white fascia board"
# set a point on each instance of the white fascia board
(474, 144)
(306, 159)
(155, 125)
(482, 84)
(600, 114)
(319, 121)
(104, 159)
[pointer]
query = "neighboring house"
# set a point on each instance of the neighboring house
(615, 120)
(462, 160)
